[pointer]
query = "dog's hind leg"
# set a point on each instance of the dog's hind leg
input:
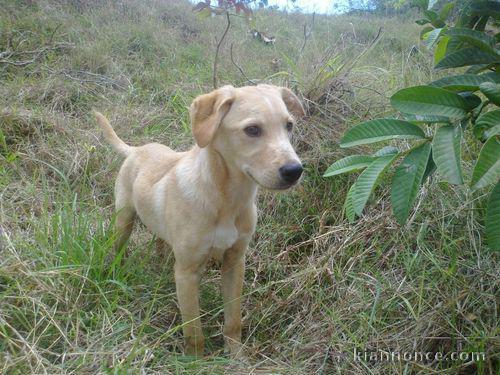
(124, 224)
(125, 211)
(163, 250)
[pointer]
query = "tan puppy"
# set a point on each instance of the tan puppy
(202, 202)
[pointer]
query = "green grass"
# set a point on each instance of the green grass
(316, 287)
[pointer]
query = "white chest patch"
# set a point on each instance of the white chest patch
(225, 236)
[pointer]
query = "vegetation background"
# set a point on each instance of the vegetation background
(316, 288)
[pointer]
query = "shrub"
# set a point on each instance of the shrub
(437, 118)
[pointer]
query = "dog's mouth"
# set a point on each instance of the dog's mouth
(281, 186)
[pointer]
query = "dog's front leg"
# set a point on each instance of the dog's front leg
(187, 280)
(233, 272)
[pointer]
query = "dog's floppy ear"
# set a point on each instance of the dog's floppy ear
(292, 102)
(207, 112)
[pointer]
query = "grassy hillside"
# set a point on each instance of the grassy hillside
(316, 287)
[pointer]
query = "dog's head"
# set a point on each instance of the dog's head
(251, 128)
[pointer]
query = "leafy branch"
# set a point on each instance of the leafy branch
(453, 108)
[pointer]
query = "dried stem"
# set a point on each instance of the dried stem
(306, 33)
(239, 67)
(219, 44)
(5, 56)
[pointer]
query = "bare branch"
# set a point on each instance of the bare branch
(307, 34)
(216, 58)
(34, 55)
(239, 67)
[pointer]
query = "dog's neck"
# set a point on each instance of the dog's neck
(233, 187)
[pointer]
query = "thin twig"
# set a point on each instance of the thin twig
(216, 58)
(54, 32)
(305, 38)
(307, 34)
(83, 76)
(6, 55)
(239, 67)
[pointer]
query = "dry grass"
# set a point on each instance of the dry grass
(317, 288)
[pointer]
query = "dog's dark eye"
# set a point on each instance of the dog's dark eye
(253, 131)
(289, 126)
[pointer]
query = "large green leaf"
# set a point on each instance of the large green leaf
(380, 130)
(348, 164)
(454, 44)
(407, 180)
(466, 82)
(425, 30)
(485, 122)
(487, 168)
(434, 18)
(467, 56)
(491, 91)
(429, 100)
(387, 150)
(441, 48)
(493, 131)
(426, 118)
(473, 37)
(476, 69)
(473, 101)
(430, 38)
(493, 219)
(348, 206)
(367, 181)
(446, 153)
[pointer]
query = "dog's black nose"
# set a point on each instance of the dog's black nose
(291, 172)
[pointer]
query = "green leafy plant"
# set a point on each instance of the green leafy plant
(436, 119)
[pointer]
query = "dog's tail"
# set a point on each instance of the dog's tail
(110, 135)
